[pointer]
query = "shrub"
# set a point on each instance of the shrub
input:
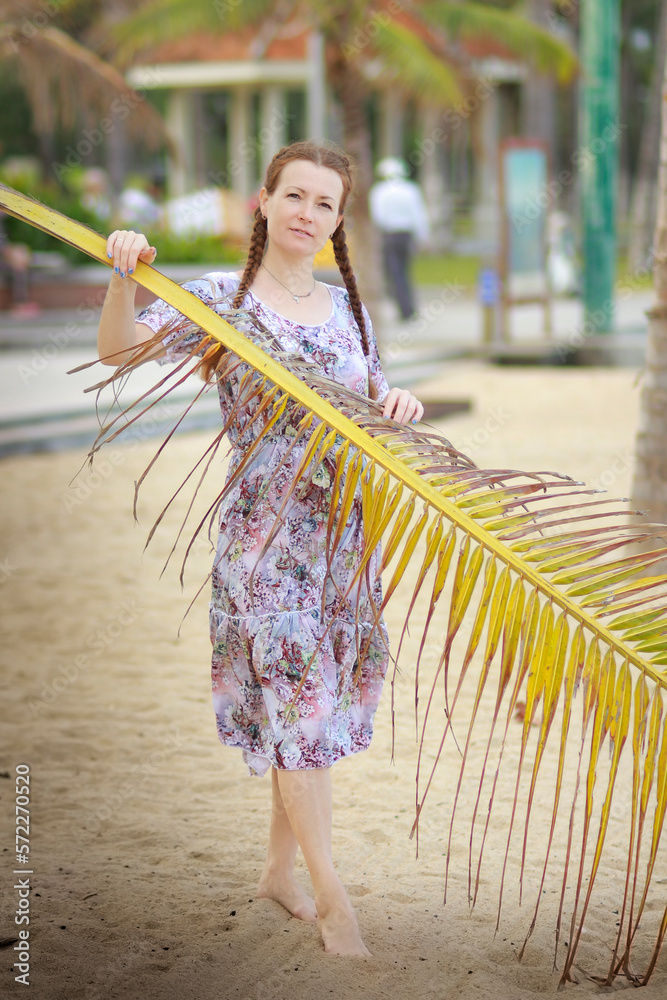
(171, 249)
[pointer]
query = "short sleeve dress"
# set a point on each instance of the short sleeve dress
(275, 612)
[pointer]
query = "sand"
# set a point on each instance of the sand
(147, 836)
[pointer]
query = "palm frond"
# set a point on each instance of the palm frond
(160, 21)
(469, 19)
(418, 69)
(539, 611)
(56, 70)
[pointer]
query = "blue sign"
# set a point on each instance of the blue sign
(527, 201)
(489, 287)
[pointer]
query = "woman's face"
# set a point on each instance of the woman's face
(303, 210)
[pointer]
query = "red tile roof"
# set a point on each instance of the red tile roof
(290, 43)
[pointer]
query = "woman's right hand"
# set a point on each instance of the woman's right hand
(125, 248)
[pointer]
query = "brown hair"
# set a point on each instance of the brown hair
(323, 156)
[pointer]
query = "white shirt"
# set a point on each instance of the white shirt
(397, 206)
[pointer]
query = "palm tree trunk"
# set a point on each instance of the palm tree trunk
(642, 209)
(650, 477)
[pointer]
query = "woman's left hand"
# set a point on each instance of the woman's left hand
(402, 406)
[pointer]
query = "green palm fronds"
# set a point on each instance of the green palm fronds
(158, 21)
(470, 19)
(344, 22)
(414, 65)
(64, 79)
(540, 610)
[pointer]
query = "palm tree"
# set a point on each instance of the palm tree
(50, 45)
(415, 46)
(650, 477)
(643, 203)
(561, 625)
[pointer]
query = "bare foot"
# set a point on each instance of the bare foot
(288, 894)
(340, 932)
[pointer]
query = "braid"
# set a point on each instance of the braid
(322, 155)
(345, 267)
(255, 254)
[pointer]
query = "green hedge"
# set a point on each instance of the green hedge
(195, 250)
(171, 249)
(68, 204)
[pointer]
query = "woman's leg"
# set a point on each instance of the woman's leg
(277, 879)
(306, 798)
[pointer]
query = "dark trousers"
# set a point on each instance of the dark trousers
(397, 253)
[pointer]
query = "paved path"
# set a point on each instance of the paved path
(44, 408)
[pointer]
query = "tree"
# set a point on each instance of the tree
(643, 205)
(650, 477)
(413, 43)
(51, 45)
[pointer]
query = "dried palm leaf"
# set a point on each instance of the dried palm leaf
(576, 634)
(56, 71)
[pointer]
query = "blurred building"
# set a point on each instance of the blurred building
(232, 101)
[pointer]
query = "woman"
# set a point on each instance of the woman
(266, 624)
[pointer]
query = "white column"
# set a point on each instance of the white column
(180, 168)
(431, 175)
(239, 160)
(272, 125)
(392, 110)
(486, 210)
(316, 88)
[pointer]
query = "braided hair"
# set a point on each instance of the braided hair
(323, 156)
(256, 249)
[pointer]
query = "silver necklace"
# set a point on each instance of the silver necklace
(296, 298)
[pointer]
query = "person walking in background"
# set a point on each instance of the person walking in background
(398, 210)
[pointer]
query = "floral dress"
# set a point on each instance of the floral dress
(267, 624)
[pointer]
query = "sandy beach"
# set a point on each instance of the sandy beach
(147, 836)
